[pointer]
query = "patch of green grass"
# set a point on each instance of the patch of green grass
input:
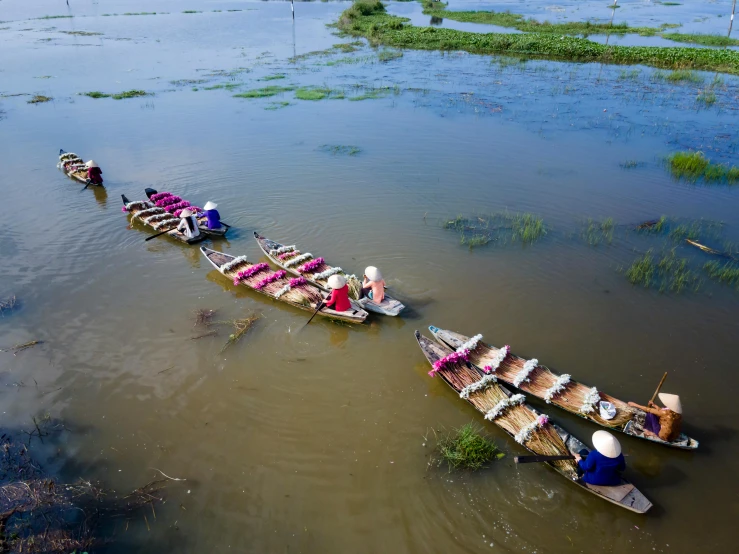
(318, 93)
(347, 47)
(474, 240)
(191, 11)
(224, 86)
(343, 149)
(528, 228)
(677, 76)
(465, 448)
(40, 99)
(263, 92)
(694, 166)
(669, 273)
(130, 94)
(706, 97)
(374, 93)
(277, 105)
(500, 227)
(96, 94)
(55, 17)
(706, 40)
(631, 75)
(367, 18)
(727, 272)
(642, 270)
(671, 3)
(184, 82)
(273, 77)
(139, 13)
(657, 226)
(597, 232)
(389, 55)
(81, 33)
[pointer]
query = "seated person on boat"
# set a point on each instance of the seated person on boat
(373, 285)
(214, 218)
(94, 173)
(339, 299)
(602, 466)
(664, 422)
(188, 224)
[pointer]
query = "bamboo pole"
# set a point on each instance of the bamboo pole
(731, 21)
(659, 387)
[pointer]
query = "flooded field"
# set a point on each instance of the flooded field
(316, 439)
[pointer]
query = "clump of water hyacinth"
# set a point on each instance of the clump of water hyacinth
(464, 448)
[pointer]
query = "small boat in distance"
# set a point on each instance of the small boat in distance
(317, 271)
(174, 204)
(560, 390)
(74, 167)
(158, 219)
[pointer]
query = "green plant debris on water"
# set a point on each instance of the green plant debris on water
(631, 164)
(389, 55)
(130, 94)
(318, 93)
(191, 11)
(340, 149)
(677, 76)
(81, 33)
(55, 17)
(464, 448)
(96, 94)
(668, 273)
(501, 227)
(224, 86)
(39, 99)
(367, 18)
(347, 47)
(629, 74)
(138, 13)
(185, 82)
(706, 96)
(596, 232)
(274, 77)
(706, 40)
(263, 92)
(277, 105)
(726, 272)
(694, 166)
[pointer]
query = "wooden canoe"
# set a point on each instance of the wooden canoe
(156, 218)
(568, 396)
(304, 297)
(317, 275)
(202, 218)
(547, 438)
(74, 167)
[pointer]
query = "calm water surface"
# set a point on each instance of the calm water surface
(312, 439)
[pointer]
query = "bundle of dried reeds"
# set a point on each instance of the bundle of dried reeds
(574, 397)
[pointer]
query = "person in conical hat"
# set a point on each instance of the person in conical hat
(604, 465)
(214, 218)
(339, 298)
(188, 224)
(666, 422)
(94, 173)
(373, 285)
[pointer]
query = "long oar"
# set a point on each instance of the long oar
(89, 182)
(320, 305)
(532, 459)
(158, 234)
(658, 387)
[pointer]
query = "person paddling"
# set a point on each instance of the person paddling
(339, 298)
(664, 422)
(604, 465)
(94, 173)
(214, 218)
(188, 224)
(373, 285)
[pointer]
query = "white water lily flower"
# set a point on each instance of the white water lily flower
(282, 250)
(559, 385)
(298, 259)
(233, 263)
(326, 274)
(470, 344)
(591, 399)
(482, 384)
(282, 291)
(523, 375)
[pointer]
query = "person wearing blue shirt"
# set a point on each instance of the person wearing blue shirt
(604, 465)
(214, 218)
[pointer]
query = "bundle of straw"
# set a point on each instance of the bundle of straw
(542, 379)
(305, 295)
(544, 441)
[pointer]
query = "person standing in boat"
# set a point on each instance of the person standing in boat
(214, 218)
(94, 173)
(373, 285)
(188, 224)
(664, 422)
(604, 465)
(339, 298)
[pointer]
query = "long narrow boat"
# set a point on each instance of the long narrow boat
(174, 205)
(297, 292)
(158, 219)
(74, 167)
(531, 429)
(560, 390)
(317, 271)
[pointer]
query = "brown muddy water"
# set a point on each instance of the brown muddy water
(312, 439)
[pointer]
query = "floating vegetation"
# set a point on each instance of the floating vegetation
(273, 77)
(389, 55)
(263, 92)
(347, 47)
(138, 13)
(653, 225)
(224, 86)
(367, 18)
(340, 149)
(705, 40)
(631, 164)
(96, 94)
(241, 327)
(373, 93)
(55, 17)
(318, 93)
(277, 105)
(726, 273)
(17, 348)
(185, 82)
(706, 96)
(693, 166)
(678, 76)
(669, 272)
(597, 232)
(81, 33)
(191, 11)
(39, 99)
(501, 227)
(130, 94)
(464, 448)
(630, 74)
(203, 316)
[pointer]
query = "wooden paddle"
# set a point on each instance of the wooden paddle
(532, 459)
(159, 234)
(89, 182)
(658, 388)
(321, 304)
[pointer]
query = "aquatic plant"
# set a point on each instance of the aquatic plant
(273, 77)
(263, 92)
(130, 94)
(81, 33)
(276, 105)
(727, 272)
(642, 270)
(706, 96)
(465, 448)
(224, 86)
(96, 94)
(337, 149)
(367, 18)
(312, 93)
(482, 229)
(191, 11)
(692, 166)
(630, 164)
(677, 76)
(706, 40)
(528, 228)
(669, 272)
(596, 232)
(388, 55)
(39, 99)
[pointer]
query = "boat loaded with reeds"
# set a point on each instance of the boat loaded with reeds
(317, 271)
(74, 167)
(561, 390)
(297, 292)
(158, 219)
(531, 429)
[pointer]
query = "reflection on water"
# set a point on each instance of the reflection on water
(311, 438)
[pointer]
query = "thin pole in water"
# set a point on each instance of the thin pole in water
(292, 7)
(731, 21)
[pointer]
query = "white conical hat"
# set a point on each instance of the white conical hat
(373, 274)
(210, 206)
(92, 163)
(337, 281)
(671, 401)
(606, 444)
(185, 213)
